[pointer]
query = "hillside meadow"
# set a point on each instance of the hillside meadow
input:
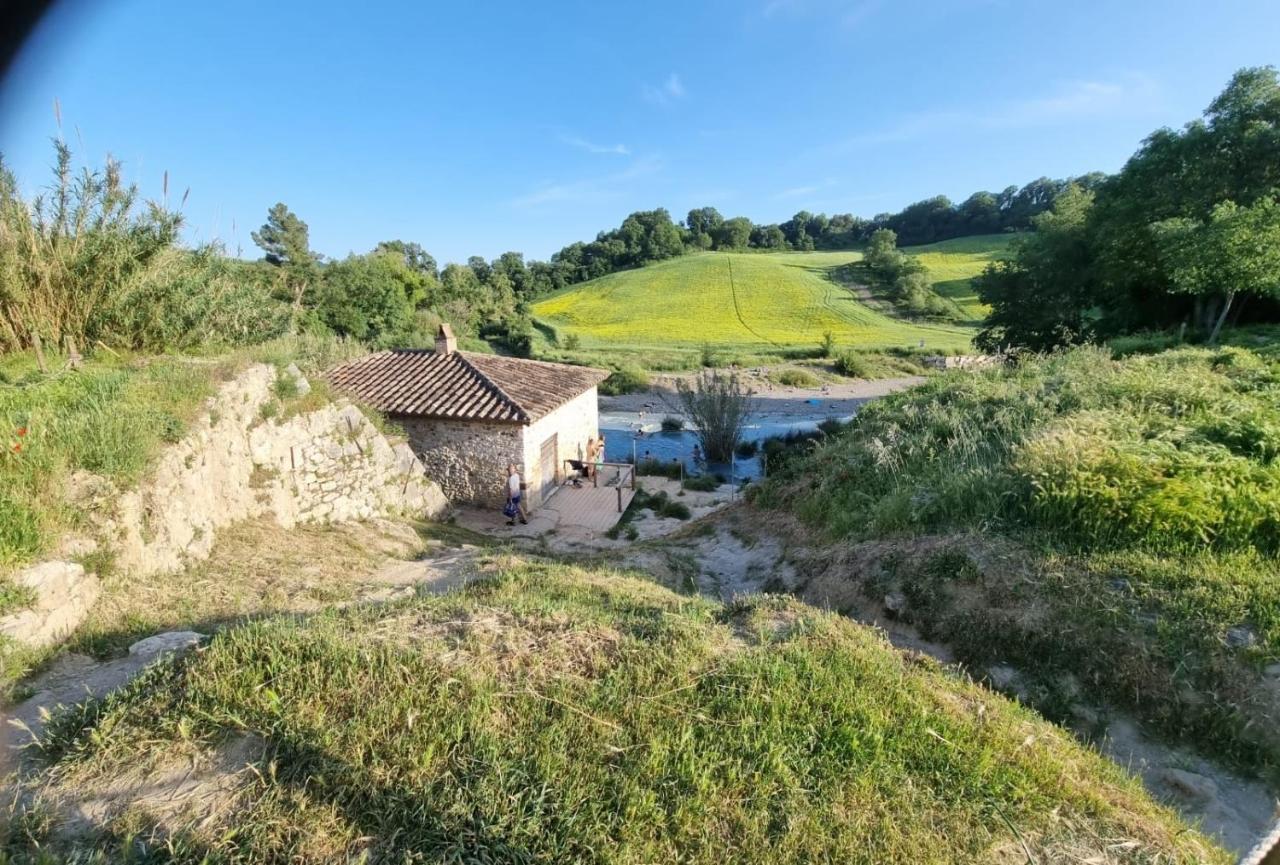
(753, 305)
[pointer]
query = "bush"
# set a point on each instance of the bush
(572, 342)
(852, 365)
(797, 378)
(628, 379)
(659, 468)
(719, 407)
(747, 449)
(671, 423)
(702, 483)
(828, 345)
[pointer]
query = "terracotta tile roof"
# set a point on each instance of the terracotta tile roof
(462, 385)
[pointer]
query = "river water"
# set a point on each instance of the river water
(636, 435)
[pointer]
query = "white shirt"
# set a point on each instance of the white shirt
(513, 484)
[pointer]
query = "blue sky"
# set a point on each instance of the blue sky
(483, 127)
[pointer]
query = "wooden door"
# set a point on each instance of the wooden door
(547, 463)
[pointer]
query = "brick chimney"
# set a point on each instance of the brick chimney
(446, 343)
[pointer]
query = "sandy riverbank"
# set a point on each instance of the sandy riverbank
(773, 402)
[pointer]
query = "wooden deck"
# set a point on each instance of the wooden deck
(595, 508)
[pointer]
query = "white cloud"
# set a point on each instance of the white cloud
(599, 188)
(592, 147)
(664, 94)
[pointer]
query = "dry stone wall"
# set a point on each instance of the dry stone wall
(327, 465)
(468, 459)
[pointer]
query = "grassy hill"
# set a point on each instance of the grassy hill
(551, 713)
(1084, 518)
(754, 303)
(953, 264)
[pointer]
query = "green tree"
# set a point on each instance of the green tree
(1235, 251)
(734, 233)
(285, 243)
(371, 297)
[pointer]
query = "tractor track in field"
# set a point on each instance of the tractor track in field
(737, 309)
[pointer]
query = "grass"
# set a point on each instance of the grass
(745, 306)
(1141, 497)
(110, 418)
(557, 714)
(953, 264)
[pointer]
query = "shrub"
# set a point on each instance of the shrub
(708, 356)
(628, 379)
(572, 342)
(719, 406)
(671, 423)
(659, 468)
(747, 449)
(828, 345)
(702, 483)
(797, 378)
(852, 365)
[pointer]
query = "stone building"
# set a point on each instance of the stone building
(469, 415)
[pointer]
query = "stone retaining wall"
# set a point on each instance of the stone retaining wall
(328, 465)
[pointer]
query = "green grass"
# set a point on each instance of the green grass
(1142, 497)
(555, 714)
(953, 264)
(746, 306)
(109, 418)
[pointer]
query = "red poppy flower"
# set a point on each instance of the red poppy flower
(17, 446)
(22, 431)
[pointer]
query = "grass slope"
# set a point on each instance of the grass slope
(765, 303)
(953, 264)
(556, 714)
(1142, 497)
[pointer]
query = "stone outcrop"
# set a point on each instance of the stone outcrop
(327, 465)
(63, 595)
(238, 461)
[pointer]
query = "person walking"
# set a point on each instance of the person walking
(515, 498)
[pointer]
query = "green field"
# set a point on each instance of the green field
(767, 303)
(953, 264)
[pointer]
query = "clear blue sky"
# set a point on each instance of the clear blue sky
(474, 128)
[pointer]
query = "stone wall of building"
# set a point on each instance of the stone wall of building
(572, 424)
(468, 459)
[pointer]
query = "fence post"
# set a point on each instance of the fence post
(619, 498)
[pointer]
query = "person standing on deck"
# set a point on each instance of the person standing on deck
(515, 503)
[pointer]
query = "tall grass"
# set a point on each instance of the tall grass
(86, 260)
(1142, 497)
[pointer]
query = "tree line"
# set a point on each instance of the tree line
(1186, 235)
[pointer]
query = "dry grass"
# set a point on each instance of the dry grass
(256, 568)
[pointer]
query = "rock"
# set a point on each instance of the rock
(1241, 637)
(303, 386)
(1188, 786)
(895, 603)
(63, 595)
(169, 641)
